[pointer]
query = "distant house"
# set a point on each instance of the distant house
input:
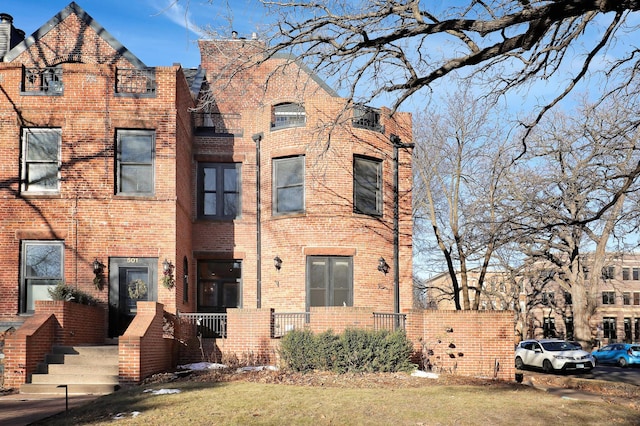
(186, 187)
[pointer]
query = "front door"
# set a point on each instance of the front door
(130, 280)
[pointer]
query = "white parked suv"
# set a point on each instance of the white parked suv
(553, 355)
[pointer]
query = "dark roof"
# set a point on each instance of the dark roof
(195, 78)
(73, 8)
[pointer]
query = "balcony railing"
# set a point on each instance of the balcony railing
(284, 322)
(45, 81)
(207, 324)
(217, 123)
(365, 117)
(214, 325)
(388, 321)
(134, 81)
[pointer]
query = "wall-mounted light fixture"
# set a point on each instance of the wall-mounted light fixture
(277, 262)
(383, 266)
(98, 267)
(167, 274)
(98, 271)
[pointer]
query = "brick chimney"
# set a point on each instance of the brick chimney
(9, 36)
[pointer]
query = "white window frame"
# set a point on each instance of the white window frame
(30, 277)
(27, 161)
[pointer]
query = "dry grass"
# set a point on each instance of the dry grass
(279, 399)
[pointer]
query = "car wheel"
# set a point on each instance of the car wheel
(622, 362)
(547, 367)
(519, 363)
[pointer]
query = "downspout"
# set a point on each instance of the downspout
(257, 138)
(397, 144)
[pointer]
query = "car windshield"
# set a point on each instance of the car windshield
(559, 346)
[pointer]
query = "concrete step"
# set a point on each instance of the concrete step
(82, 369)
(78, 368)
(73, 379)
(73, 389)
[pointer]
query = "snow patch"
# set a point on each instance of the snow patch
(162, 391)
(425, 374)
(202, 366)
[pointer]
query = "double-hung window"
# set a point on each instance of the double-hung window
(218, 190)
(608, 298)
(42, 268)
(367, 186)
(329, 281)
(288, 185)
(41, 153)
(135, 162)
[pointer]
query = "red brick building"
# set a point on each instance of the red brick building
(118, 178)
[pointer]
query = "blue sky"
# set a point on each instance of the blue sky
(152, 30)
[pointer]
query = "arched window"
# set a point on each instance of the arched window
(287, 115)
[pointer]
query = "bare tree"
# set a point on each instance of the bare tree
(400, 47)
(577, 192)
(461, 159)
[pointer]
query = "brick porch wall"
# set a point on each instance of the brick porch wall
(466, 343)
(78, 324)
(54, 323)
(142, 349)
(27, 347)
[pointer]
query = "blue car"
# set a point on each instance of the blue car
(621, 354)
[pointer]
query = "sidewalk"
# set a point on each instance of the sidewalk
(24, 409)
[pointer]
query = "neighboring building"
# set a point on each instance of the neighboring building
(111, 167)
(498, 293)
(543, 307)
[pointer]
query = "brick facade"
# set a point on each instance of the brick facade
(106, 91)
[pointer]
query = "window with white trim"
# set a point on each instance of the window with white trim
(135, 162)
(41, 160)
(288, 114)
(42, 268)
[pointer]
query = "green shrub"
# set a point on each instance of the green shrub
(71, 294)
(297, 350)
(354, 350)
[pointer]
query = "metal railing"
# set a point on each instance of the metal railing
(217, 123)
(389, 321)
(210, 325)
(207, 324)
(284, 322)
(136, 81)
(43, 80)
(367, 118)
